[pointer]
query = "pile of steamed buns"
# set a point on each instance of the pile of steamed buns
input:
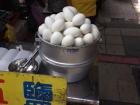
(69, 28)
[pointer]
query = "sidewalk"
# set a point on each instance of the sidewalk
(119, 83)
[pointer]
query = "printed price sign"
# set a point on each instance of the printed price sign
(31, 89)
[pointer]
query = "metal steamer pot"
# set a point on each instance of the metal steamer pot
(71, 63)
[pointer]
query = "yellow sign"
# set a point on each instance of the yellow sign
(31, 89)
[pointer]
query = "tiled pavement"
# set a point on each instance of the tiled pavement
(124, 42)
(116, 83)
(112, 42)
(119, 83)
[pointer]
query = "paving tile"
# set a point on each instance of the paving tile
(108, 90)
(128, 92)
(117, 83)
(109, 74)
(136, 73)
(122, 72)
(115, 49)
(116, 71)
(114, 40)
(134, 1)
(129, 11)
(107, 19)
(130, 32)
(123, 9)
(101, 48)
(107, 84)
(105, 71)
(100, 19)
(131, 44)
(102, 40)
(109, 102)
(125, 16)
(113, 31)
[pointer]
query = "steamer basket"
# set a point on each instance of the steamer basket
(71, 63)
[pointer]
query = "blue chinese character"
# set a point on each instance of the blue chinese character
(43, 92)
(29, 90)
(38, 91)
(33, 102)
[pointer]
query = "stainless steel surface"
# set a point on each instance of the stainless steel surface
(83, 101)
(71, 63)
(67, 54)
(71, 73)
(25, 65)
(17, 66)
(32, 56)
